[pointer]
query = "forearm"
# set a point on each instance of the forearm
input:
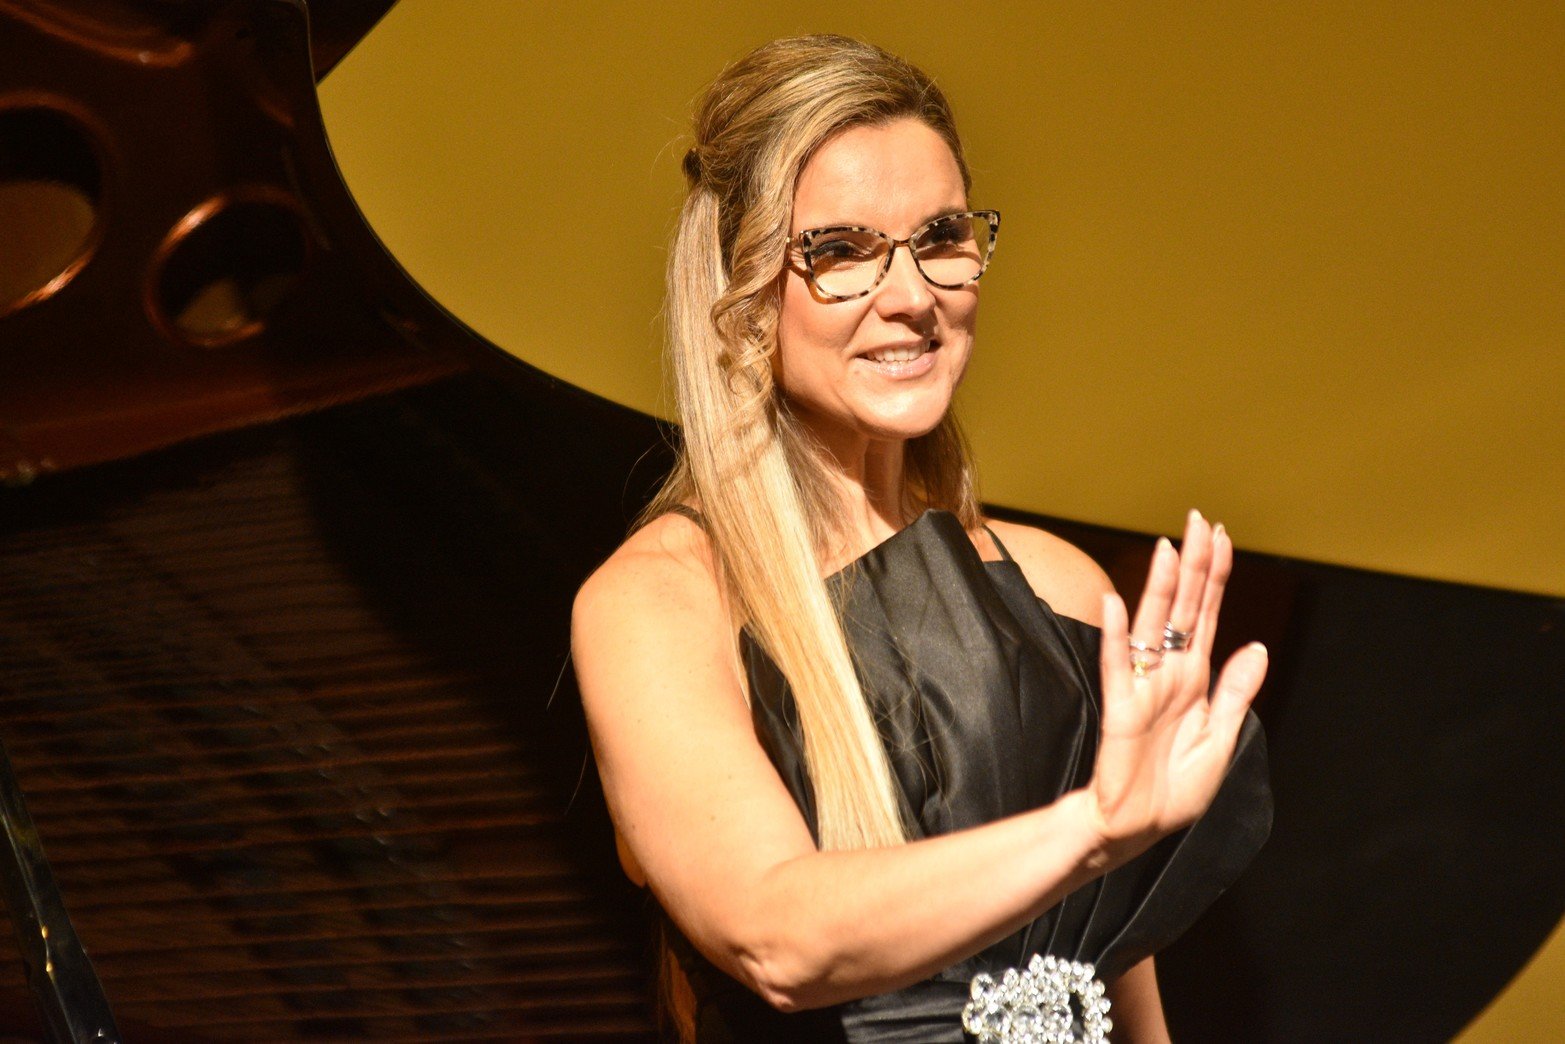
(833, 926)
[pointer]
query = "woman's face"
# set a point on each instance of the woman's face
(831, 355)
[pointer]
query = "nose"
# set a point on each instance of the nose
(904, 291)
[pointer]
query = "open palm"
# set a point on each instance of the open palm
(1167, 736)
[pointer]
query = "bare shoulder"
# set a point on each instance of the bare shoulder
(662, 572)
(1060, 573)
(650, 618)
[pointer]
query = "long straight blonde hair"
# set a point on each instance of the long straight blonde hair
(761, 482)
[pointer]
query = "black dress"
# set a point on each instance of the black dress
(988, 704)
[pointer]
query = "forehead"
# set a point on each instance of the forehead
(893, 177)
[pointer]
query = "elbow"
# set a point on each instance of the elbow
(789, 951)
(787, 970)
(782, 982)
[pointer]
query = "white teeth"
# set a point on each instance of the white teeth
(897, 355)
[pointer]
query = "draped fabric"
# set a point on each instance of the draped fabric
(987, 702)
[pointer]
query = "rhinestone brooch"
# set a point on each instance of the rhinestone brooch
(1034, 1006)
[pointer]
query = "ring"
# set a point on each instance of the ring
(1144, 658)
(1175, 640)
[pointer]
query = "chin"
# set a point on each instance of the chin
(905, 428)
(879, 422)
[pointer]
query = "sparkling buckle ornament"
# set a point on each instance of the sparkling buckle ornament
(1034, 1006)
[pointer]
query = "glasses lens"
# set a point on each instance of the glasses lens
(846, 263)
(954, 250)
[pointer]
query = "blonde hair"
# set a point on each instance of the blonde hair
(771, 511)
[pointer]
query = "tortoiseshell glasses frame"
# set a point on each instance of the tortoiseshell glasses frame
(871, 244)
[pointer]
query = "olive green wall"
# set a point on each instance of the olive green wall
(1297, 265)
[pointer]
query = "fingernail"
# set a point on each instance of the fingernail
(1194, 516)
(1261, 649)
(1218, 531)
(1249, 671)
(1163, 544)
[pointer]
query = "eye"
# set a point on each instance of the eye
(947, 232)
(843, 246)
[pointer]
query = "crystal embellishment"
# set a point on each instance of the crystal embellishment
(1034, 1006)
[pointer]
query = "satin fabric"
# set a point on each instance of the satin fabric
(987, 702)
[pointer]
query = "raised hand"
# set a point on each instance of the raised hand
(1166, 743)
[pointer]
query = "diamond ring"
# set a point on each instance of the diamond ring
(1144, 658)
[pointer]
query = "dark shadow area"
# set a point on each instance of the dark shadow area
(293, 706)
(1415, 865)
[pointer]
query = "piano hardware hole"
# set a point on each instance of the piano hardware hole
(227, 268)
(50, 191)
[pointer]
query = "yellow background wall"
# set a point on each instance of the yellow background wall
(1298, 265)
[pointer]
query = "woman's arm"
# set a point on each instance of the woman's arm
(1138, 1007)
(720, 840)
(705, 816)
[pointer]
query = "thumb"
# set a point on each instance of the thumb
(1238, 684)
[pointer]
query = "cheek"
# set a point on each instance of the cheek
(810, 333)
(967, 310)
(790, 314)
(962, 324)
(961, 320)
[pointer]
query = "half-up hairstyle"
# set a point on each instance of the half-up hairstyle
(771, 512)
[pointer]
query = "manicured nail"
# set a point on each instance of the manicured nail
(1219, 531)
(1163, 544)
(1194, 516)
(1248, 672)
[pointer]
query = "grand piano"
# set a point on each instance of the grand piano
(286, 557)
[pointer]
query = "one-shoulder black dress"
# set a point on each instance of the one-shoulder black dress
(987, 702)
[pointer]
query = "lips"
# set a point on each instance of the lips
(900, 354)
(901, 360)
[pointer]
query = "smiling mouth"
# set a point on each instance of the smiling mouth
(904, 354)
(902, 362)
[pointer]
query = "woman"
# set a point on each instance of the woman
(844, 727)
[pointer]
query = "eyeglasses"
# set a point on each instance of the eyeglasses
(847, 261)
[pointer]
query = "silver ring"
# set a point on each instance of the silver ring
(1144, 658)
(1174, 640)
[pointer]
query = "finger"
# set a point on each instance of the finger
(1236, 688)
(1114, 650)
(1158, 594)
(1195, 561)
(1114, 653)
(1212, 594)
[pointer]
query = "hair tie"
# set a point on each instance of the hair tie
(692, 165)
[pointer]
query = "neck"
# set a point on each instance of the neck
(871, 479)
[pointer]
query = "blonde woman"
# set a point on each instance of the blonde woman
(866, 750)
